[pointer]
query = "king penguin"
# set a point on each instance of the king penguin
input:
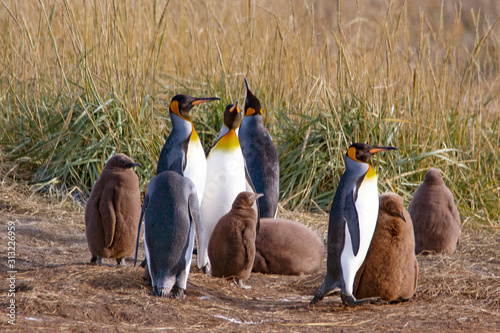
(353, 217)
(226, 173)
(260, 155)
(172, 218)
(183, 151)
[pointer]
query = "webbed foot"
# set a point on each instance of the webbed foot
(349, 300)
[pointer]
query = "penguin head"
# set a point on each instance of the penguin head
(182, 104)
(232, 116)
(121, 161)
(392, 205)
(252, 103)
(246, 199)
(433, 177)
(362, 152)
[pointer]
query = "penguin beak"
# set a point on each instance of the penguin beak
(248, 87)
(135, 164)
(235, 107)
(402, 216)
(203, 100)
(379, 149)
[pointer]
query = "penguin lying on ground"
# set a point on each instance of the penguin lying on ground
(287, 247)
(226, 173)
(353, 217)
(112, 211)
(260, 155)
(232, 244)
(436, 220)
(172, 218)
(390, 268)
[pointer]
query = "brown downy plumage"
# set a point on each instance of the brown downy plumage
(232, 245)
(435, 217)
(390, 268)
(287, 247)
(113, 210)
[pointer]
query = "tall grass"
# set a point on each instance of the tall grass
(81, 80)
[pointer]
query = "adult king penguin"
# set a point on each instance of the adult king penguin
(172, 215)
(183, 151)
(353, 217)
(226, 173)
(260, 155)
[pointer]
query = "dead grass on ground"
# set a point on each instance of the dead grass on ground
(56, 288)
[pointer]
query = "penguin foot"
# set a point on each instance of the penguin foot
(160, 292)
(399, 300)
(240, 283)
(349, 300)
(316, 299)
(120, 262)
(206, 269)
(96, 260)
(177, 293)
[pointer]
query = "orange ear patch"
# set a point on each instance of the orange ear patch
(352, 153)
(250, 111)
(174, 107)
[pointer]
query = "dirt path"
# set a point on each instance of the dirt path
(56, 290)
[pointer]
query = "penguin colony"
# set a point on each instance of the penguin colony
(219, 199)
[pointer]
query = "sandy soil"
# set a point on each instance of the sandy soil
(57, 290)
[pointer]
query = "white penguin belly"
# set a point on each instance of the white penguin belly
(196, 167)
(367, 206)
(225, 180)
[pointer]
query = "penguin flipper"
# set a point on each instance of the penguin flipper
(351, 217)
(108, 216)
(143, 209)
(251, 188)
(195, 217)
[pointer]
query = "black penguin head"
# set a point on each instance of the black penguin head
(182, 104)
(362, 152)
(232, 116)
(121, 161)
(252, 103)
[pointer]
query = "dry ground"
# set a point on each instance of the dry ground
(57, 290)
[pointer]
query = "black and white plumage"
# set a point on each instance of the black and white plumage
(353, 217)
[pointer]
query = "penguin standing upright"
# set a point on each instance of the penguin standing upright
(353, 217)
(183, 151)
(231, 248)
(226, 173)
(260, 155)
(390, 269)
(172, 215)
(112, 211)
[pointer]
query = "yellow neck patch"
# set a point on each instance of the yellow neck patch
(194, 135)
(371, 172)
(229, 141)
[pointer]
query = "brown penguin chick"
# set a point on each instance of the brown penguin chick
(113, 210)
(436, 220)
(390, 268)
(231, 248)
(287, 247)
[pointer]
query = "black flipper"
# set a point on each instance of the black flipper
(351, 216)
(144, 207)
